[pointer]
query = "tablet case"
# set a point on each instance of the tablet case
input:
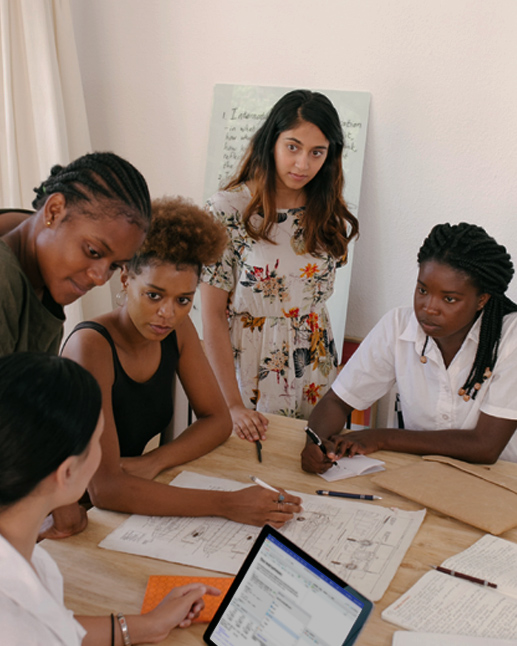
(479, 495)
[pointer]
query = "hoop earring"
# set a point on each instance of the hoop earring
(121, 298)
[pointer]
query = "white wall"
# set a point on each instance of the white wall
(442, 141)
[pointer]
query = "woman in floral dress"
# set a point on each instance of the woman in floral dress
(265, 324)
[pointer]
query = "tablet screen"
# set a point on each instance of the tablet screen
(282, 596)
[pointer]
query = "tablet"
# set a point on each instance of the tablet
(283, 596)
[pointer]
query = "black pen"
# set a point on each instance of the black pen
(316, 439)
(258, 444)
(342, 494)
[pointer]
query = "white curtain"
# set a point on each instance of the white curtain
(42, 111)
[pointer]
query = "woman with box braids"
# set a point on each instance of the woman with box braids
(469, 249)
(459, 338)
(91, 217)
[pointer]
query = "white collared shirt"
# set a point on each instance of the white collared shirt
(31, 605)
(428, 391)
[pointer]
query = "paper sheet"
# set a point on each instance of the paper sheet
(441, 603)
(362, 543)
(403, 638)
(359, 465)
(490, 558)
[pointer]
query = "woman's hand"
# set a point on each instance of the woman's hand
(64, 522)
(258, 506)
(358, 442)
(248, 424)
(315, 461)
(179, 608)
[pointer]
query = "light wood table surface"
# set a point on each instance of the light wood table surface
(99, 581)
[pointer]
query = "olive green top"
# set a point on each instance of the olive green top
(26, 322)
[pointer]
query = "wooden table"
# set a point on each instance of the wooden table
(99, 581)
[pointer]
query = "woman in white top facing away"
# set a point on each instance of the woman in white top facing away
(50, 429)
(265, 323)
(453, 358)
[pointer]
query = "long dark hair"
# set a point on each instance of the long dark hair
(328, 225)
(49, 408)
(468, 248)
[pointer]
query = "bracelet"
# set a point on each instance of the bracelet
(112, 629)
(125, 631)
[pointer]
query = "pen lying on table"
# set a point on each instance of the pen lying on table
(467, 577)
(342, 494)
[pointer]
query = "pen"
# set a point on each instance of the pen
(353, 496)
(261, 483)
(258, 444)
(265, 485)
(467, 577)
(316, 439)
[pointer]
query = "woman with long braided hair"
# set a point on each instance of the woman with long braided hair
(453, 358)
(91, 217)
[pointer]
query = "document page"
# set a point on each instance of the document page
(362, 543)
(404, 638)
(444, 604)
(350, 467)
(492, 559)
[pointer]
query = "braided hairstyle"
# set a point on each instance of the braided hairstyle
(100, 176)
(469, 249)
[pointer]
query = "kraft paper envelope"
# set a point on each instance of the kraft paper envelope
(482, 496)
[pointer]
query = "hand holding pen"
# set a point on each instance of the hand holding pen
(273, 506)
(317, 440)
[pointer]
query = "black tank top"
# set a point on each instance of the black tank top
(141, 410)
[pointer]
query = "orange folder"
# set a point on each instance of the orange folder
(159, 586)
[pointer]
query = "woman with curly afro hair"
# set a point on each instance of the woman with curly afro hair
(134, 353)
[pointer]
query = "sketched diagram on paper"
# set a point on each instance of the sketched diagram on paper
(364, 544)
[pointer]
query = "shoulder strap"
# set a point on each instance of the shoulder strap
(92, 325)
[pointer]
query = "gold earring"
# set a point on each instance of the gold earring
(48, 223)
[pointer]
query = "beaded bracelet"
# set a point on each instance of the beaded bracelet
(123, 627)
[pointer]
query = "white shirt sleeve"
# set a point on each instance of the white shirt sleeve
(370, 372)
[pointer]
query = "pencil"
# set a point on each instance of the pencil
(467, 577)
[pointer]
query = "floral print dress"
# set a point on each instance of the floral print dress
(284, 352)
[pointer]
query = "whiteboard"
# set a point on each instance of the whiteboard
(239, 110)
